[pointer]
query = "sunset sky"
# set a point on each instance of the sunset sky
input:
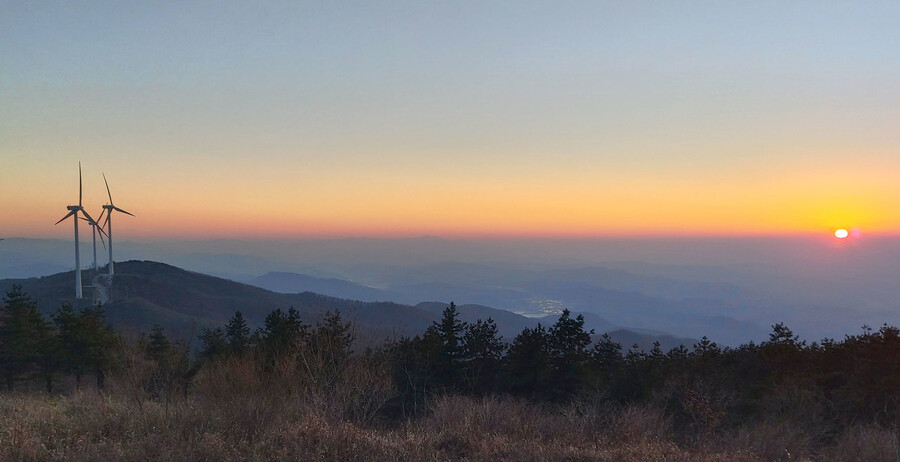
(465, 118)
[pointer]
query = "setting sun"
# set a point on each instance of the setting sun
(841, 234)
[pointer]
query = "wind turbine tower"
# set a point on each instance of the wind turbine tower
(96, 227)
(73, 212)
(109, 210)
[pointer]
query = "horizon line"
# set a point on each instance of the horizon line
(490, 237)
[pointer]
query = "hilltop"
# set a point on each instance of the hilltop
(147, 293)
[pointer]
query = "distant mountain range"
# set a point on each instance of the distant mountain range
(147, 293)
(287, 283)
(609, 299)
(729, 289)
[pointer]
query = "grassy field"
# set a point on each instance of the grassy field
(230, 415)
(306, 396)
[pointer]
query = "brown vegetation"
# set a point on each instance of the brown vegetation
(235, 413)
(292, 391)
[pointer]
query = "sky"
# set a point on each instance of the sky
(290, 119)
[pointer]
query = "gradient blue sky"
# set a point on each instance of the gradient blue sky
(453, 118)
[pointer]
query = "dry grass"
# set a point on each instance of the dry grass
(235, 413)
(87, 426)
(864, 444)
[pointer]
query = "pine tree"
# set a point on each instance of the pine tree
(237, 334)
(334, 336)
(172, 364)
(526, 369)
(212, 344)
(414, 368)
(47, 357)
(72, 352)
(448, 364)
(329, 350)
(99, 341)
(483, 349)
(606, 361)
(27, 341)
(569, 354)
(282, 333)
(159, 347)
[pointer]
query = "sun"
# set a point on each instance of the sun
(841, 233)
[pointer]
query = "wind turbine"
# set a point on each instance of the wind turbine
(108, 208)
(96, 227)
(73, 212)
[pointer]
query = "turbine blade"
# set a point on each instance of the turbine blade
(102, 232)
(107, 189)
(101, 238)
(120, 210)
(84, 212)
(100, 220)
(79, 183)
(63, 218)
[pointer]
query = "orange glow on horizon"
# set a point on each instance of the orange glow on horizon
(243, 203)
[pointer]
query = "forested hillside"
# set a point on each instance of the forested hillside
(301, 386)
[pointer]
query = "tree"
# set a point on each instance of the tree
(72, 352)
(568, 345)
(483, 350)
(413, 372)
(606, 361)
(158, 346)
(526, 369)
(172, 365)
(282, 333)
(86, 341)
(99, 341)
(784, 354)
(448, 369)
(27, 341)
(237, 334)
(782, 335)
(212, 344)
(329, 350)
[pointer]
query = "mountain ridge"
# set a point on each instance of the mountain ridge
(147, 293)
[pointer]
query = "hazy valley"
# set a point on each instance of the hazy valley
(731, 291)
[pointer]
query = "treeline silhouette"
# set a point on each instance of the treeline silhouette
(830, 385)
(835, 383)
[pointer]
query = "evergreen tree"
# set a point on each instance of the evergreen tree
(448, 364)
(99, 341)
(606, 361)
(237, 334)
(706, 348)
(282, 333)
(27, 342)
(72, 352)
(784, 354)
(158, 346)
(213, 344)
(329, 350)
(568, 344)
(47, 354)
(334, 337)
(483, 348)
(414, 368)
(172, 364)
(526, 369)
